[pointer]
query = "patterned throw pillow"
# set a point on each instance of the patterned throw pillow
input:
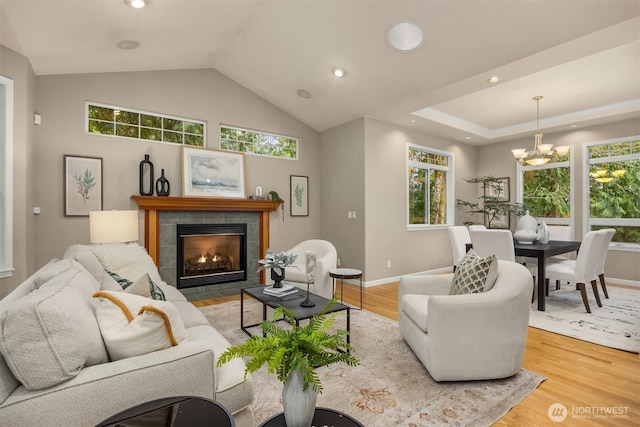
(144, 286)
(473, 274)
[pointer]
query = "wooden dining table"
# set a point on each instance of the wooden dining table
(541, 252)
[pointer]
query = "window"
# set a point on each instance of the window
(613, 187)
(126, 123)
(429, 187)
(546, 191)
(260, 143)
(6, 179)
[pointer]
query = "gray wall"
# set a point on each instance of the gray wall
(17, 68)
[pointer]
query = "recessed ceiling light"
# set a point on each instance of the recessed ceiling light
(494, 79)
(405, 37)
(467, 138)
(413, 121)
(303, 93)
(138, 4)
(339, 72)
(128, 44)
(573, 126)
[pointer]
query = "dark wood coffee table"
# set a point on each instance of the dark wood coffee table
(292, 302)
(322, 417)
(183, 411)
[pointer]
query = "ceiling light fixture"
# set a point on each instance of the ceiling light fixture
(413, 121)
(541, 153)
(137, 4)
(494, 79)
(305, 94)
(127, 44)
(405, 37)
(339, 72)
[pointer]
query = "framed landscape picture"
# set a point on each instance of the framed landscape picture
(212, 173)
(299, 195)
(82, 184)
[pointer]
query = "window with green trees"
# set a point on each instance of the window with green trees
(260, 143)
(613, 183)
(546, 189)
(430, 187)
(127, 123)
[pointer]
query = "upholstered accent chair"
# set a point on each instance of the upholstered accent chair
(475, 336)
(320, 283)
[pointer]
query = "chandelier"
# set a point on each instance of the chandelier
(541, 153)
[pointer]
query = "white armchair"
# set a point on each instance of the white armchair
(326, 260)
(467, 337)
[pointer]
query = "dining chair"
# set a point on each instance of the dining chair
(560, 232)
(604, 250)
(477, 227)
(498, 242)
(460, 237)
(582, 270)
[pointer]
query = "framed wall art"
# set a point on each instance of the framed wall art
(212, 173)
(299, 195)
(500, 189)
(82, 185)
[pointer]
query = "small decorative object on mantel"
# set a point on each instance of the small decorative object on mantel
(148, 166)
(163, 188)
(276, 198)
(293, 353)
(277, 262)
(258, 195)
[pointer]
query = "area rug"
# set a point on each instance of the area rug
(390, 387)
(615, 324)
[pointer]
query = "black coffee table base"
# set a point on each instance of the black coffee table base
(322, 417)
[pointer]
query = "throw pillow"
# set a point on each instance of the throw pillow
(132, 325)
(144, 286)
(471, 274)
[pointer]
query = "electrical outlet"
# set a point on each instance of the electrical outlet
(388, 263)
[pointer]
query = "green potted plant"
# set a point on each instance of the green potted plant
(293, 353)
(277, 262)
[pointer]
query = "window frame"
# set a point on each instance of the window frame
(259, 132)
(6, 186)
(587, 221)
(521, 169)
(450, 176)
(148, 113)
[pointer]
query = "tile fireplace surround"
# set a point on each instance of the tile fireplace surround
(162, 214)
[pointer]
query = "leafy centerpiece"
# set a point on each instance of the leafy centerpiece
(277, 262)
(293, 353)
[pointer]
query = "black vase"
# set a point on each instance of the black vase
(162, 185)
(277, 278)
(146, 164)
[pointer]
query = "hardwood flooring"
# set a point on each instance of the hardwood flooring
(588, 379)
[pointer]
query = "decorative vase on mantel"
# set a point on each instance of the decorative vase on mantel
(277, 278)
(299, 405)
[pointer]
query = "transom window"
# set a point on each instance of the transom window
(429, 187)
(259, 143)
(613, 185)
(127, 123)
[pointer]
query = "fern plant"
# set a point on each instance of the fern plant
(302, 348)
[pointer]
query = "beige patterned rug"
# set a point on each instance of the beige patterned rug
(390, 387)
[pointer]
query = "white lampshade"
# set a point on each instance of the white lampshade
(113, 226)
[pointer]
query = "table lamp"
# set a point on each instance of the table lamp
(113, 226)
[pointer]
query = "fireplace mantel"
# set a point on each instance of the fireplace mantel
(151, 205)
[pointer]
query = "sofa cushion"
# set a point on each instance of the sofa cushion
(144, 286)
(48, 336)
(88, 260)
(132, 325)
(473, 273)
(189, 314)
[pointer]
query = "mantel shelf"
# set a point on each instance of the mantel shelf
(204, 204)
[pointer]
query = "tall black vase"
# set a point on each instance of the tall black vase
(146, 164)
(277, 278)
(163, 187)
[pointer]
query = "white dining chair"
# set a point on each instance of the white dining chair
(582, 270)
(563, 233)
(477, 227)
(604, 250)
(460, 237)
(498, 242)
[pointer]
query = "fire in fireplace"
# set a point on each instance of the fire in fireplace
(211, 254)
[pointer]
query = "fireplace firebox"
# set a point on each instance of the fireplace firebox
(209, 254)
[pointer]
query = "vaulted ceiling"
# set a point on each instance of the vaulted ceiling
(583, 56)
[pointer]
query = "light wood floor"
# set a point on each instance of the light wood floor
(580, 375)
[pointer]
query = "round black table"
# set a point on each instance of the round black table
(322, 417)
(183, 411)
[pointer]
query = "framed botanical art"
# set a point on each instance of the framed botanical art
(212, 173)
(82, 185)
(299, 195)
(498, 189)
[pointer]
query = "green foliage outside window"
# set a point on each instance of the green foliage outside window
(431, 210)
(251, 142)
(547, 192)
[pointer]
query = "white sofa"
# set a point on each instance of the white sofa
(326, 260)
(467, 337)
(55, 368)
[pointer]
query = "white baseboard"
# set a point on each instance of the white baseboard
(634, 283)
(386, 280)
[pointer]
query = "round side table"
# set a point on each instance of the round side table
(321, 417)
(346, 273)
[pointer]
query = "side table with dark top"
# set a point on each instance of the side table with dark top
(346, 273)
(182, 411)
(322, 417)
